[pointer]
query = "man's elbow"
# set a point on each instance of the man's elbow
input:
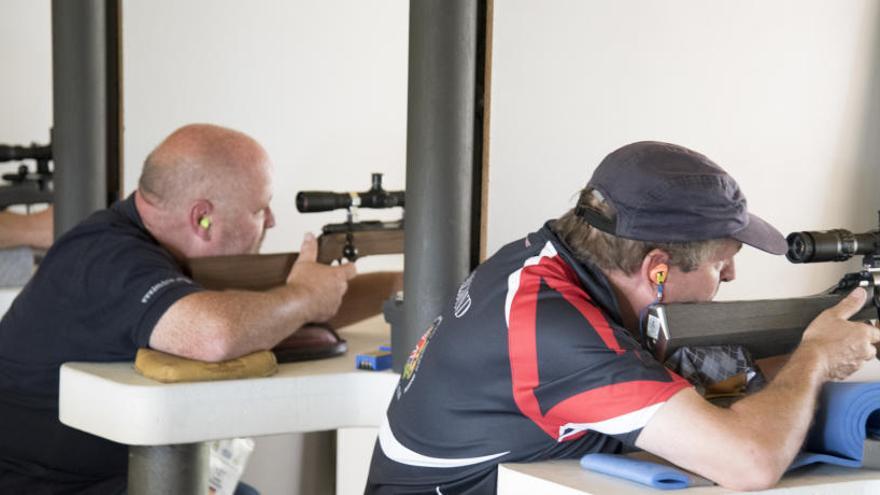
(218, 341)
(759, 478)
(757, 468)
(221, 346)
(215, 353)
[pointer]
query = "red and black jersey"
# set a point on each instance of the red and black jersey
(529, 362)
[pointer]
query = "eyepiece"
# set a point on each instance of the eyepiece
(800, 247)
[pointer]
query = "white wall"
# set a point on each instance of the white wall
(26, 79)
(783, 94)
(322, 84)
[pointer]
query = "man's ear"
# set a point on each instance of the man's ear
(655, 267)
(200, 219)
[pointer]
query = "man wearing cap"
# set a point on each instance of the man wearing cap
(539, 356)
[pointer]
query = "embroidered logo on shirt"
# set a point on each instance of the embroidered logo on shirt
(463, 297)
(415, 359)
(161, 285)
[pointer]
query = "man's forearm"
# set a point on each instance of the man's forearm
(33, 230)
(780, 415)
(758, 435)
(761, 434)
(219, 325)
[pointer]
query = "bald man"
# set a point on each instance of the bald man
(115, 283)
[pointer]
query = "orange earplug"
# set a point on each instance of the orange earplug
(658, 273)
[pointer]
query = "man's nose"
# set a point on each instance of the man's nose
(728, 274)
(270, 219)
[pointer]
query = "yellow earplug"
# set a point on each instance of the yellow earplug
(205, 222)
(659, 273)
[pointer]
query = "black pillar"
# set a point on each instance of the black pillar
(443, 157)
(85, 98)
(167, 469)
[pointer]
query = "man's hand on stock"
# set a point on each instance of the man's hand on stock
(321, 286)
(841, 345)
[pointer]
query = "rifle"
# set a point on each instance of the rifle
(770, 327)
(348, 240)
(27, 188)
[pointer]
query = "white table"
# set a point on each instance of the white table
(565, 477)
(113, 401)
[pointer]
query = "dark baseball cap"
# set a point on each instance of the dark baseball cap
(663, 192)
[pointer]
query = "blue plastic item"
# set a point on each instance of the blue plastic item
(374, 360)
(644, 472)
(847, 413)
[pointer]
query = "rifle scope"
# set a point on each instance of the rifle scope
(830, 245)
(35, 152)
(376, 197)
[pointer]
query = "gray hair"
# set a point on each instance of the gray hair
(610, 252)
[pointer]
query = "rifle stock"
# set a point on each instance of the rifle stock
(264, 271)
(371, 239)
(765, 327)
(243, 271)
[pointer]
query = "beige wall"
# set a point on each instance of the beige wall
(322, 84)
(25, 73)
(783, 94)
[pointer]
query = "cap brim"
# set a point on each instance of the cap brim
(762, 235)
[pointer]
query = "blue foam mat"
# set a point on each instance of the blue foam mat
(644, 472)
(847, 413)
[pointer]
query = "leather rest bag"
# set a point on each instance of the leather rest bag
(312, 341)
(167, 368)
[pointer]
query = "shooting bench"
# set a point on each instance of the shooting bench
(566, 477)
(166, 425)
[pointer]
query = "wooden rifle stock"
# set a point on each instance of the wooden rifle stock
(765, 327)
(370, 238)
(264, 271)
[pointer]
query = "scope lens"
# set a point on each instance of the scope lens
(800, 247)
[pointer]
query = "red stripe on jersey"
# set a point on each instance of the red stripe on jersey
(578, 297)
(523, 350)
(613, 400)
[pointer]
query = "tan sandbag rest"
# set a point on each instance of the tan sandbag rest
(167, 368)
